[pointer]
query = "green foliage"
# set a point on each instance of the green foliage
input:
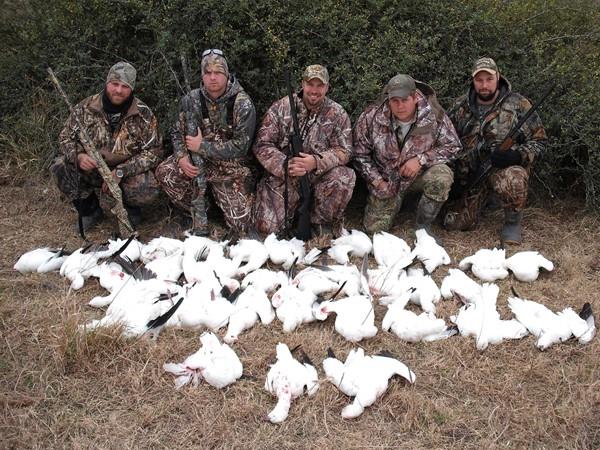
(362, 42)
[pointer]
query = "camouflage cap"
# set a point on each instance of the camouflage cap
(214, 62)
(316, 71)
(123, 72)
(486, 64)
(400, 86)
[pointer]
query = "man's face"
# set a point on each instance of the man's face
(314, 92)
(117, 92)
(215, 83)
(404, 109)
(486, 86)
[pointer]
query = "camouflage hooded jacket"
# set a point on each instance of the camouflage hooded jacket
(326, 133)
(225, 143)
(379, 151)
(493, 127)
(135, 146)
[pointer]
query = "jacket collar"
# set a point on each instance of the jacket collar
(95, 105)
(383, 116)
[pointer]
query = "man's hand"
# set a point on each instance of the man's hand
(193, 142)
(86, 162)
(115, 177)
(186, 166)
(411, 168)
(302, 164)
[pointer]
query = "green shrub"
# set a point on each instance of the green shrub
(362, 42)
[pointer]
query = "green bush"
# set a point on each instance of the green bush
(362, 42)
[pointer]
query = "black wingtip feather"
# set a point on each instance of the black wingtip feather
(330, 353)
(162, 319)
(63, 252)
(124, 246)
(453, 330)
(292, 270)
(514, 292)
(305, 359)
(231, 297)
(339, 290)
(586, 311)
(295, 348)
(217, 277)
(386, 354)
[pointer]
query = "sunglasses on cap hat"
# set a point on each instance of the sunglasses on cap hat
(215, 51)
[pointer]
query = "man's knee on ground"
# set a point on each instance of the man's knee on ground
(166, 167)
(141, 190)
(437, 182)
(511, 186)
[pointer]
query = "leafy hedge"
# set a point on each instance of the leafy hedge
(362, 42)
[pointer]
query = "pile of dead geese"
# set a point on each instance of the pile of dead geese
(200, 284)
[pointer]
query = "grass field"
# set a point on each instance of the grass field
(63, 389)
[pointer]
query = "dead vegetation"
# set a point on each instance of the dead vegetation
(63, 389)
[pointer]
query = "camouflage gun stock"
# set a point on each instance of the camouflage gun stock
(125, 227)
(191, 122)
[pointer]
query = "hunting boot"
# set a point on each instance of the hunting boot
(135, 215)
(427, 211)
(331, 230)
(337, 228)
(511, 230)
(321, 230)
(199, 219)
(199, 207)
(90, 210)
(177, 224)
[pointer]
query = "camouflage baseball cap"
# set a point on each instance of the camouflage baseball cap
(215, 62)
(316, 71)
(486, 64)
(400, 86)
(123, 72)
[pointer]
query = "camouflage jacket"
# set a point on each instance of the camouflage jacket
(135, 146)
(379, 150)
(225, 142)
(492, 128)
(327, 134)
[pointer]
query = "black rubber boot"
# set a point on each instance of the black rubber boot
(90, 210)
(135, 215)
(511, 231)
(427, 211)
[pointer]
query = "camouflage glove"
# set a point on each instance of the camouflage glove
(505, 158)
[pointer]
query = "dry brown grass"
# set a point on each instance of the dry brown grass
(61, 389)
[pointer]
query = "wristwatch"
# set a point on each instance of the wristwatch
(119, 173)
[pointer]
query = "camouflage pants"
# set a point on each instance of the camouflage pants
(510, 186)
(138, 190)
(232, 187)
(331, 193)
(434, 183)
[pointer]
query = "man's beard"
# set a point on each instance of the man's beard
(486, 97)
